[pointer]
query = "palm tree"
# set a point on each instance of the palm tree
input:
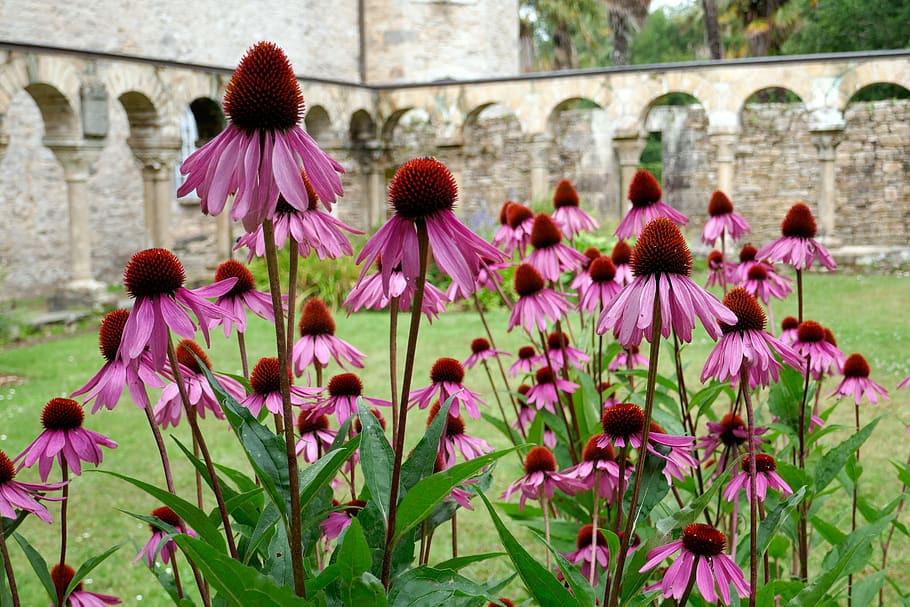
(626, 17)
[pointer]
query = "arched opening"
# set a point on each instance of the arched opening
(317, 123)
(582, 151)
(60, 121)
(362, 128)
(142, 116)
(208, 118)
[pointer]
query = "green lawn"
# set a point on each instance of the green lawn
(863, 310)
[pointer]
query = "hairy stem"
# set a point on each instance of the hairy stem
(753, 492)
(8, 566)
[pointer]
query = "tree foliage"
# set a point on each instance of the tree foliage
(852, 25)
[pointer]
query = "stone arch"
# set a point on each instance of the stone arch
(60, 120)
(870, 73)
(142, 94)
(362, 127)
(580, 149)
(878, 91)
(209, 119)
(142, 116)
(569, 104)
(318, 123)
(768, 95)
(493, 110)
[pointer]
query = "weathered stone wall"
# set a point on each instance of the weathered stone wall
(196, 32)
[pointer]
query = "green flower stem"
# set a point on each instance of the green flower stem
(690, 584)
(803, 508)
(295, 538)
(593, 572)
(393, 360)
(753, 493)
(244, 363)
(293, 258)
(64, 503)
(8, 566)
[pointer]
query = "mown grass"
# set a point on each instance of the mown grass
(863, 310)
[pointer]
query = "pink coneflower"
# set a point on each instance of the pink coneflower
(644, 194)
(789, 327)
(602, 460)
(746, 261)
(24, 496)
(746, 342)
(764, 283)
(603, 288)
(856, 381)
(587, 554)
(628, 358)
(702, 549)
(527, 357)
(623, 425)
(720, 271)
(521, 221)
(447, 376)
(678, 459)
(242, 295)
(343, 392)
(61, 576)
(582, 279)
(504, 235)
(824, 358)
(64, 439)
(544, 394)
(540, 478)
(154, 279)
(536, 305)
(314, 230)
(621, 256)
(423, 190)
(662, 264)
(481, 350)
(266, 385)
(370, 293)
(558, 350)
(317, 343)
(527, 414)
(487, 278)
(455, 438)
(315, 435)
(460, 496)
(798, 247)
(729, 435)
(106, 386)
(339, 520)
(198, 390)
(723, 219)
(258, 156)
(766, 476)
(550, 257)
(567, 214)
(160, 541)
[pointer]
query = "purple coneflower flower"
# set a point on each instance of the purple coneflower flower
(723, 219)
(24, 496)
(526, 415)
(527, 356)
(536, 305)
(550, 257)
(746, 261)
(730, 435)
(628, 358)
(198, 390)
(644, 194)
(823, 357)
(241, 296)
(521, 220)
(544, 394)
(747, 343)
(567, 214)
(504, 234)
(789, 327)
(767, 476)
(455, 438)
(160, 541)
(764, 283)
(338, 521)
(343, 391)
(63, 575)
(623, 425)
(314, 230)
(558, 350)
(702, 549)
(603, 461)
(447, 376)
(423, 190)
(317, 343)
(487, 278)
(540, 478)
(459, 495)
(106, 386)
(798, 247)
(315, 435)
(258, 156)
(64, 439)
(661, 263)
(720, 271)
(266, 385)
(582, 279)
(621, 256)
(154, 278)
(586, 554)
(603, 287)
(856, 381)
(369, 293)
(480, 351)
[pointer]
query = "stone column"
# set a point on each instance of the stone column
(725, 143)
(826, 141)
(76, 158)
(158, 188)
(4, 141)
(539, 146)
(628, 150)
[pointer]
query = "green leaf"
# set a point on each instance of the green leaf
(654, 487)
(786, 395)
(702, 400)
(463, 561)
(237, 583)
(833, 461)
(39, 565)
(320, 473)
(768, 527)
(376, 460)
(422, 461)
(353, 554)
(191, 515)
(587, 406)
(866, 589)
(429, 587)
(367, 591)
(536, 431)
(86, 567)
(497, 423)
(581, 589)
(266, 452)
(426, 494)
(785, 589)
(539, 582)
(829, 532)
(690, 513)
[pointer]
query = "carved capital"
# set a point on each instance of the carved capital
(826, 142)
(76, 157)
(628, 148)
(155, 154)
